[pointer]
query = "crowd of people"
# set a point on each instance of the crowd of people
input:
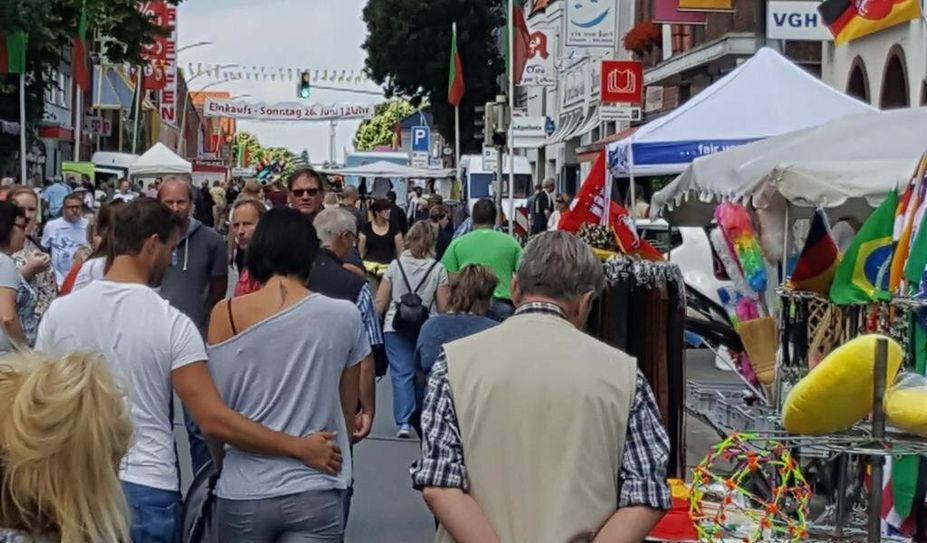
(272, 339)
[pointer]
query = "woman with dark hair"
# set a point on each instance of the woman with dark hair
(381, 239)
(270, 367)
(18, 322)
(94, 268)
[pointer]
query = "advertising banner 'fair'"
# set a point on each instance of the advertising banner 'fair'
(285, 111)
(591, 24)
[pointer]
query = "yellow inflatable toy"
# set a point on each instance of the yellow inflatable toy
(837, 393)
(906, 404)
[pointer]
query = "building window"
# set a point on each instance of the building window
(895, 81)
(858, 83)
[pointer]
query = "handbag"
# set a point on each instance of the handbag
(411, 313)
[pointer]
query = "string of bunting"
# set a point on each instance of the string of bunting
(276, 73)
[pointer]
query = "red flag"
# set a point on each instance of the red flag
(521, 40)
(589, 207)
(79, 54)
(455, 84)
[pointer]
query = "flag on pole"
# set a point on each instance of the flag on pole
(516, 67)
(79, 52)
(589, 207)
(815, 268)
(849, 19)
(863, 274)
(455, 82)
(13, 53)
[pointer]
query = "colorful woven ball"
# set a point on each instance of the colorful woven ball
(724, 509)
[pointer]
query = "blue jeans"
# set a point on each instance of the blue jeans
(500, 309)
(156, 514)
(401, 353)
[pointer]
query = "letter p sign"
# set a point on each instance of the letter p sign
(421, 138)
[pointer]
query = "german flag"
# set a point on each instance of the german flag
(818, 261)
(852, 19)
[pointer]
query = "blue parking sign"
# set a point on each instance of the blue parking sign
(421, 138)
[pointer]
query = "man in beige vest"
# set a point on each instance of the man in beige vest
(535, 432)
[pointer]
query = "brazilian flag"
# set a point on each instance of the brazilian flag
(863, 274)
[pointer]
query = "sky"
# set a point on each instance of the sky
(325, 34)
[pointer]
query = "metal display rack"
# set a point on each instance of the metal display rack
(728, 408)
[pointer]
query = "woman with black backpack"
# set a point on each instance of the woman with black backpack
(414, 287)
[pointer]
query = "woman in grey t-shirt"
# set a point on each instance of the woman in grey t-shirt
(289, 359)
(17, 298)
(422, 271)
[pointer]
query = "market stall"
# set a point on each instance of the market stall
(158, 161)
(765, 96)
(856, 156)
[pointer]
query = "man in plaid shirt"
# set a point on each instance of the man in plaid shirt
(534, 431)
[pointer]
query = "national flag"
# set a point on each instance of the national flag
(903, 229)
(814, 271)
(521, 40)
(917, 253)
(455, 82)
(589, 207)
(899, 488)
(13, 53)
(79, 54)
(863, 274)
(852, 19)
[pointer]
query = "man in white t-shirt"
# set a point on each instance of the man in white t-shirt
(152, 347)
(65, 235)
(125, 192)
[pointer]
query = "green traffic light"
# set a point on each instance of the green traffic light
(304, 92)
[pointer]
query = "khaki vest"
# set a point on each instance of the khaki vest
(543, 412)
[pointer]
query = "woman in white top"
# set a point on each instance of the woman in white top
(561, 204)
(416, 270)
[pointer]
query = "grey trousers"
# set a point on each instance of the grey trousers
(316, 516)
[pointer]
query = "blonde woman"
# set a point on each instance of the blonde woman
(65, 427)
(415, 271)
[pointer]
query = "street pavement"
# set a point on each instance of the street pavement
(386, 509)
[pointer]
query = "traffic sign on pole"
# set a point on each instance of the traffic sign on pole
(421, 138)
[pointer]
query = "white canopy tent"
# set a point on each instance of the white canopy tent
(766, 96)
(160, 160)
(390, 170)
(858, 156)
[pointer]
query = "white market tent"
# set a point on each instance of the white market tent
(160, 160)
(765, 96)
(855, 157)
(390, 170)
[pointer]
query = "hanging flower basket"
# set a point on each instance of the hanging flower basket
(643, 37)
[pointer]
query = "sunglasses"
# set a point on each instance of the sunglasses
(312, 193)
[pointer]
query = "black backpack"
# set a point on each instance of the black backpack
(411, 313)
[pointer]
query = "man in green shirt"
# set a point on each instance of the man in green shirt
(486, 246)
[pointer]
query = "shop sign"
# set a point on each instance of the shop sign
(622, 82)
(795, 21)
(539, 66)
(591, 24)
(98, 126)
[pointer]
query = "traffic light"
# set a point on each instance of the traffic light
(479, 123)
(304, 89)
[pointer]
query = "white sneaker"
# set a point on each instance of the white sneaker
(405, 431)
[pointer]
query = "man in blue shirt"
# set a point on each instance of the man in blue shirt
(54, 195)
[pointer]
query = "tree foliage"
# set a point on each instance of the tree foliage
(380, 129)
(279, 161)
(408, 51)
(51, 26)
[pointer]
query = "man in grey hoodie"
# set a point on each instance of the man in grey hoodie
(195, 281)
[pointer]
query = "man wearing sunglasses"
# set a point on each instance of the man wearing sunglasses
(307, 191)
